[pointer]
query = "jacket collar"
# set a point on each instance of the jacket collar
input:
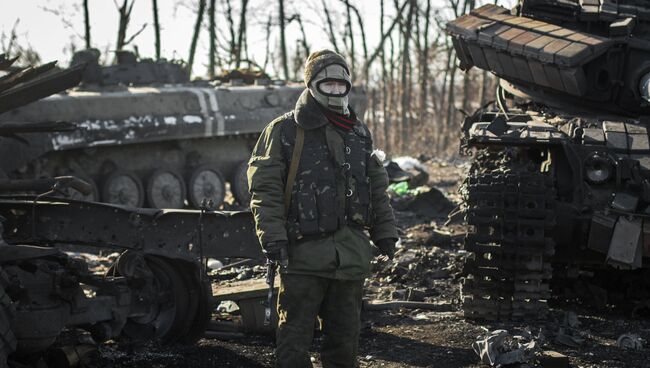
(307, 112)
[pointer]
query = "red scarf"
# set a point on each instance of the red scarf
(339, 121)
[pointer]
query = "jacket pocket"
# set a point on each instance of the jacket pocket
(327, 203)
(307, 209)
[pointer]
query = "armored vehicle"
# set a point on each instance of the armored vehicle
(53, 309)
(559, 188)
(150, 137)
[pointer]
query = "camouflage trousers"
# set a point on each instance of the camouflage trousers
(336, 302)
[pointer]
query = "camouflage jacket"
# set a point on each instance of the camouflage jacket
(344, 253)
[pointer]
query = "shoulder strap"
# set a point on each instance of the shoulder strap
(293, 167)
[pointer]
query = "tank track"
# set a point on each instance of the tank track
(8, 340)
(508, 270)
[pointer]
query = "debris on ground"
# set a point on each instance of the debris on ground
(407, 169)
(553, 359)
(568, 333)
(499, 348)
(412, 305)
(630, 341)
(426, 202)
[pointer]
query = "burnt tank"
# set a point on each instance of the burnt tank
(150, 137)
(557, 198)
(55, 306)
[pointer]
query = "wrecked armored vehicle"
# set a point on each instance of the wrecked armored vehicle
(53, 309)
(148, 136)
(559, 189)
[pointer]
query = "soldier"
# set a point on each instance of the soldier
(317, 186)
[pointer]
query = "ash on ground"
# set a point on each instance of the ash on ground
(413, 317)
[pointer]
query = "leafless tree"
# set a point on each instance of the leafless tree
(283, 42)
(195, 35)
(213, 38)
(87, 24)
(124, 11)
(242, 33)
(156, 27)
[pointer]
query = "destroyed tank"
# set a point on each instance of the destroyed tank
(150, 137)
(53, 308)
(557, 198)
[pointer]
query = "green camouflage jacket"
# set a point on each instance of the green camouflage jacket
(343, 254)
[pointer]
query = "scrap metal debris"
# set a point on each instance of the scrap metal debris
(630, 341)
(499, 348)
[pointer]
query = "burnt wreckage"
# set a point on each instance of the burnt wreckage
(156, 290)
(559, 188)
(150, 137)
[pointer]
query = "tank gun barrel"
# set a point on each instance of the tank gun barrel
(54, 126)
(38, 86)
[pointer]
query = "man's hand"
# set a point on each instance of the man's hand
(387, 247)
(277, 252)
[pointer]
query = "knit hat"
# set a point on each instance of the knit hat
(318, 60)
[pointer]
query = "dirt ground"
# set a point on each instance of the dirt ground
(428, 262)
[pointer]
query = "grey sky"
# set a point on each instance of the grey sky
(49, 35)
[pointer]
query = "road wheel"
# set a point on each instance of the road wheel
(206, 182)
(204, 308)
(166, 189)
(174, 294)
(123, 188)
(239, 184)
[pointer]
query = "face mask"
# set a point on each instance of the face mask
(330, 87)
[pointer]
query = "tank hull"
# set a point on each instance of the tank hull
(142, 130)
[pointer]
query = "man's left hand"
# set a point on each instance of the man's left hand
(387, 247)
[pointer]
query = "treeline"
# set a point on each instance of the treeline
(417, 94)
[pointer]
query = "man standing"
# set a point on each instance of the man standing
(316, 187)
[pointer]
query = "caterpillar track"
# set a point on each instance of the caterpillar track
(508, 271)
(7, 338)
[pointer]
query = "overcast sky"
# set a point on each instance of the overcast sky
(51, 26)
(51, 34)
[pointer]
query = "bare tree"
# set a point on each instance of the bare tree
(283, 41)
(406, 61)
(305, 45)
(195, 35)
(364, 44)
(213, 39)
(330, 27)
(125, 18)
(87, 24)
(231, 30)
(267, 51)
(156, 28)
(242, 32)
(350, 34)
(424, 62)
(384, 82)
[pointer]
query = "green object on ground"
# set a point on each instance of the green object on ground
(400, 188)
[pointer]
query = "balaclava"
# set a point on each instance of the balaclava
(323, 66)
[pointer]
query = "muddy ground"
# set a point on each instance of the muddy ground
(428, 266)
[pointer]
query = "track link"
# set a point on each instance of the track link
(508, 271)
(8, 340)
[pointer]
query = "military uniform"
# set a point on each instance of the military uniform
(338, 194)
